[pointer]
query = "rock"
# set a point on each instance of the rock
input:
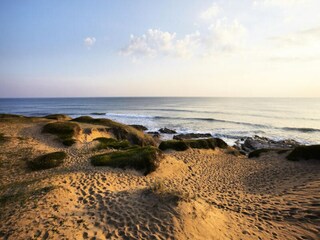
(192, 136)
(305, 153)
(167, 131)
(139, 127)
(254, 143)
(182, 145)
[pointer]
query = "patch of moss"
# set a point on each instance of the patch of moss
(177, 145)
(47, 161)
(139, 158)
(120, 131)
(65, 131)
(58, 117)
(110, 143)
(305, 153)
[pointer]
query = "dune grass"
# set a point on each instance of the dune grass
(110, 143)
(47, 161)
(65, 131)
(139, 158)
(305, 153)
(120, 131)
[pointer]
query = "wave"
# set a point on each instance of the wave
(214, 120)
(304, 130)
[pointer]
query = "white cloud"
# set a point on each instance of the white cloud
(225, 36)
(211, 12)
(158, 43)
(89, 41)
(279, 3)
(297, 46)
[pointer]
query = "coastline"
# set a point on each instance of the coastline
(197, 193)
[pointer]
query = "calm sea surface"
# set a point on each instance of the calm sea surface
(228, 118)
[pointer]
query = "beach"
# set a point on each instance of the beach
(192, 194)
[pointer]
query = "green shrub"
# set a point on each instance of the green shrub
(120, 131)
(305, 153)
(65, 131)
(47, 161)
(174, 145)
(110, 143)
(4, 115)
(201, 143)
(139, 158)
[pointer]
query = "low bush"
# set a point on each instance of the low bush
(139, 158)
(65, 131)
(47, 161)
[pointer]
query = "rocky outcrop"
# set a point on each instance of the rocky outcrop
(167, 131)
(191, 136)
(255, 143)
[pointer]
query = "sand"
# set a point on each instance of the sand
(204, 194)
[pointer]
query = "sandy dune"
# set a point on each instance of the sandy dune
(204, 194)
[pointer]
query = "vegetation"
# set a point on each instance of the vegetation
(120, 131)
(110, 143)
(4, 115)
(139, 158)
(305, 153)
(182, 145)
(58, 117)
(177, 145)
(47, 161)
(65, 131)
(3, 139)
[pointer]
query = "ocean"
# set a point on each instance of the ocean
(228, 118)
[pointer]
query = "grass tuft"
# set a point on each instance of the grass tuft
(47, 161)
(177, 145)
(139, 158)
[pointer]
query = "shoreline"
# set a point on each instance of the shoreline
(203, 193)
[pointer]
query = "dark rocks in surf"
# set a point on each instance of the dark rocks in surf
(167, 131)
(192, 136)
(139, 127)
(255, 143)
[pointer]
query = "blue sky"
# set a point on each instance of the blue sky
(160, 48)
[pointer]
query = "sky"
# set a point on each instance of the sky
(101, 48)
